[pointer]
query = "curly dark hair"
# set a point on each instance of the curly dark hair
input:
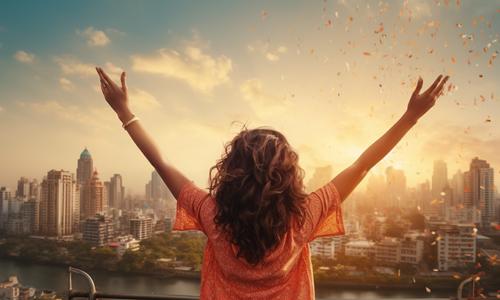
(259, 192)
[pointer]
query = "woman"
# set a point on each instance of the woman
(256, 216)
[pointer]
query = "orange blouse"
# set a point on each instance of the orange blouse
(285, 273)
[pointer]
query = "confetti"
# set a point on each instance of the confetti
(367, 53)
(428, 290)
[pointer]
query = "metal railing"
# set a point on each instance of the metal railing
(93, 294)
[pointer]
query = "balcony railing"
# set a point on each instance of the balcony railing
(93, 294)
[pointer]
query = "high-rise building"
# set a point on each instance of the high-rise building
(58, 192)
(27, 189)
(92, 200)
(5, 196)
(396, 186)
(116, 192)
(31, 215)
(479, 193)
(141, 227)
(23, 188)
(98, 230)
(439, 178)
(457, 184)
(85, 167)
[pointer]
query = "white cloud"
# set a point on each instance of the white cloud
(72, 66)
(66, 84)
(95, 37)
(142, 100)
(201, 71)
(271, 54)
(93, 117)
(24, 57)
(264, 104)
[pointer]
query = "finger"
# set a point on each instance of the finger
(420, 82)
(106, 78)
(433, 86)
(123, 80)
(104, 84)
(440, 87)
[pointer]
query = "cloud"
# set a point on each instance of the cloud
(24, 57)
(271, 54)
(263, 103)
(66, 84)
(72, 66)
(142, 100)
(93, 117)
(95, 37)
(1, 109)
(201, 71)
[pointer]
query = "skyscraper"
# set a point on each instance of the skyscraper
(457, 184)
(439, 178)
(5, 196)
(156, 188)
(85, 167)
(92, 201)
(479, 192)
(116, 192)
(396, 186)
(23, 188)
(58, 191)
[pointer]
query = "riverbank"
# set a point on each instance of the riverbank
(173, 274)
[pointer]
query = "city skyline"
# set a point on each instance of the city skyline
(295, 67)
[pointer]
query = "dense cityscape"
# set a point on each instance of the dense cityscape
(442, 231)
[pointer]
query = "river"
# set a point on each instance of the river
(56, 278)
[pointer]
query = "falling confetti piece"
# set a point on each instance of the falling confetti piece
(453, 60)
(428, 290)
(367, 53)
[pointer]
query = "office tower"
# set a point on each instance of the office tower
(92, 200)
(31, 215)
(116, 192)
(23, 188)
(85, 167)
(5, 196)
(77, 208)
(456, 245)
(479, 192)
(141, 227)
(396, 186)
(58, 192)
(27, 189)
(457, 185)
(156, 189)
(439, 178)
(98, 230)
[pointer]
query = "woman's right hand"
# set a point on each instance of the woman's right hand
(420, 103)
(116, 96)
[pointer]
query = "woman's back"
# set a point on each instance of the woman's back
(284, 273)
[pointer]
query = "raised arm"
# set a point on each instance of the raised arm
(419, 104)
(117, 98)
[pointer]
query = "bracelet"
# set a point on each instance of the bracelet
(130, 122)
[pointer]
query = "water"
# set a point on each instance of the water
(56, 278)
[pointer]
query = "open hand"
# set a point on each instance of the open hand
(420, 103)
(116, 96)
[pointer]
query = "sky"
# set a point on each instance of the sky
(331, 75)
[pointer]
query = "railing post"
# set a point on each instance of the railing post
(92, 291)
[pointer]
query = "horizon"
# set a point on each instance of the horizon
(297, 67)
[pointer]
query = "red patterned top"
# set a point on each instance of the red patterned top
(285, 273)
